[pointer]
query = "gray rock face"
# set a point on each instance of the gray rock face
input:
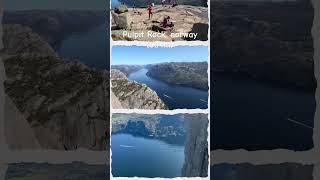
(122, 20)
(133, 95)
(18, 40)
(116, 74)
(15, 122)
(116, 104)
(2, 93)
(196, 149)
(65, 103)
(243, 32)
(56, 104)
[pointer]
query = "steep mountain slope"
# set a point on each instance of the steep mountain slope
(133, 95)
(193, 74)
(65, 104)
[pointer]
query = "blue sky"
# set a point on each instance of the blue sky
(144, 55)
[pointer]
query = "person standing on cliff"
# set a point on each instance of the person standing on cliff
(163, 2)
(150, 12)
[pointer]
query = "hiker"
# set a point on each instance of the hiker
(174, 3)
(162, 2)
(134, 6)
(150, 11)
(166, 22)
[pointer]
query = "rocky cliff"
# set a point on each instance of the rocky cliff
(133, 95)
(191, 74)
(260, 40)
(196, 149)
(116, 74)
(2, 93)
(63, 104)
(21, 40)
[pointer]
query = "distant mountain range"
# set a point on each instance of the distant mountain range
(55, 25)
(191, 74)
(162, 127)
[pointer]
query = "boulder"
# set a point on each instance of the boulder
(123, 20)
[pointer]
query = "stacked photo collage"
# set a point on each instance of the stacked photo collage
(160, 74)
(159, 89)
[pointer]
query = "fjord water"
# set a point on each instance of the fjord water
(90, 48)
(175, 97)
(142, 157)
(254, 115)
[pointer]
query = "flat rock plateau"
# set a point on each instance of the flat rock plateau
(186, 19)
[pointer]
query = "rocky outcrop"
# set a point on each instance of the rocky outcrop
(116, 74)
(128, 94)
(116, 104)
(2, 93)
(196, 147)
(127, 69)
(122, 20)
(54, 103)
(184, 17)
(16, 122)
(191, 74)
(133, 95)
(19, 40)
(64, 102)
(260, 41)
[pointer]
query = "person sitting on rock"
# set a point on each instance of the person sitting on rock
(166, 22)
(150, 11)
(175, 3)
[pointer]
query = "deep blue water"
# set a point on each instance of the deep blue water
(175, 97)
(253, 115)
(137, 156)
(90, 48)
